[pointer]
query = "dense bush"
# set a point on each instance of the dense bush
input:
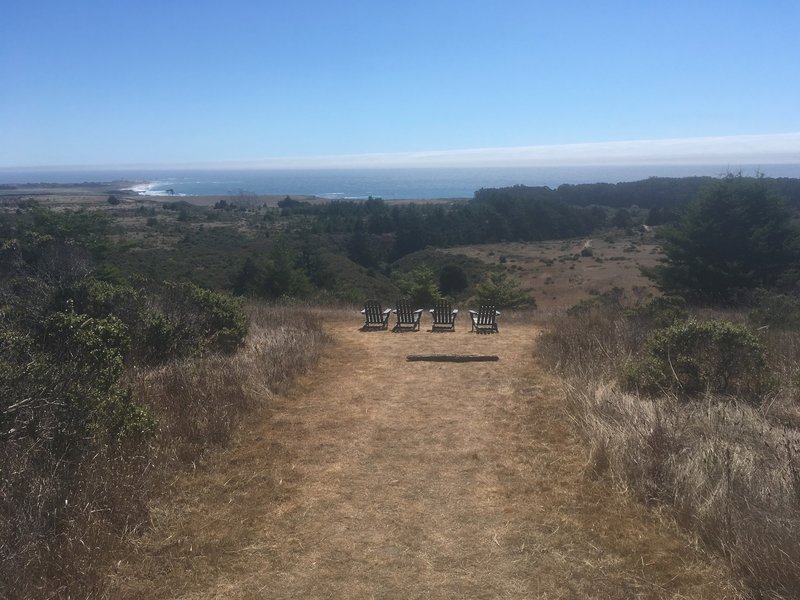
(74, 437)
(420, 287)
(661, 311)
(196, 320)
(452, 279)
(278, 275)
(165, 321)
(702, 356)
(63, 412)
(500, 291)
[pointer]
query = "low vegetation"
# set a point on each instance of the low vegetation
(698, 437)
(133, 340)
(105, 387)
(82, 455)
(695, 406)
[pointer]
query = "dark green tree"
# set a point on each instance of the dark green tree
(452, 280)
(500, 291)
(622, 218)
(737, 234)
(420, 287)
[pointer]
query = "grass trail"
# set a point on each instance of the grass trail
(384, 478)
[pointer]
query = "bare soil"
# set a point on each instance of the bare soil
(383, 478)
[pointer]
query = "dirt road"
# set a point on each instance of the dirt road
(382, 478)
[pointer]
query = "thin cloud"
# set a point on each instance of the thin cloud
(770, 149)
(743, 149)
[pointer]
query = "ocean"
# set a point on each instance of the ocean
(389, 184)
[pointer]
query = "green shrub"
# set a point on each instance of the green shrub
(91, 352)
(661, 311)
(164, 321)
(420, 287)
(697, 356)
(60, 386)
(500, 291)
(453, 279)
(193, 319)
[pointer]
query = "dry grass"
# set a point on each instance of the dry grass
(379, 477)
(730, 472)
(59, 529)
(59, 522)
(559, 276)
(200, 403)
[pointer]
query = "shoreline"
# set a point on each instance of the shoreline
(97, 193)
(422, 184)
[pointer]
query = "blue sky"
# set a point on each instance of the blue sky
(188, 82)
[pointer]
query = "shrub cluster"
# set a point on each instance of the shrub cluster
(74, 436)
(697, 356)
(500, 291)
(713, 428)
(165, 321)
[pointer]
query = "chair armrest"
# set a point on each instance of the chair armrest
(455, 311)
(387, 311)
(418, 311)
(363, 311)
(473, 312)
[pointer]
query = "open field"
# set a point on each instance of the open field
(558, 275)
(383, 478)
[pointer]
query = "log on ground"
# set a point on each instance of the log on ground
(454, 357)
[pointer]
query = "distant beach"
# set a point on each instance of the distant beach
(389, 184)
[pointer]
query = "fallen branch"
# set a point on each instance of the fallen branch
(454, 357)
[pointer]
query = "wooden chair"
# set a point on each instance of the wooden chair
(375, 315)
(444, 316)
(484, 320)
(406, 316)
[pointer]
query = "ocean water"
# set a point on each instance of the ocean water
(390, 184)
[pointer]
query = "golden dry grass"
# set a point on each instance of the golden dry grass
(383, 478)
(558, 276)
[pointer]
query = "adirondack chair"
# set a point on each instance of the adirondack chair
(406, 316)
(444, 316)
(484, 320)
(375, 315)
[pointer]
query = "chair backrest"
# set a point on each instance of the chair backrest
(405, 314)
(373, 312)
(442, 312)
(486, 315)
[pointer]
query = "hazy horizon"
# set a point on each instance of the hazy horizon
(735, 150)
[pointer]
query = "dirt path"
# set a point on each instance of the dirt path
(381, 478)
